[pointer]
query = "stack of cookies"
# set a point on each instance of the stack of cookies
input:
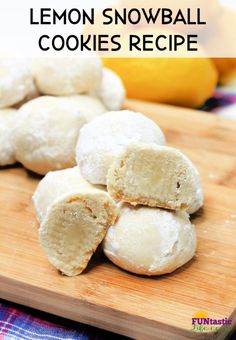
(110, 178)
(149, 189)
(44, 103)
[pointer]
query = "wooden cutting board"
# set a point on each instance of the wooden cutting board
(109, 298)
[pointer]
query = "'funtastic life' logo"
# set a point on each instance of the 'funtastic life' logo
(201, 322)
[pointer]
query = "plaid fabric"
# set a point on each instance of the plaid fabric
(17, 322)
(220, 100)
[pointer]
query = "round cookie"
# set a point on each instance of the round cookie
(7, 121)
(102, 140)
(67, 76)
(150, 241)
(16, 81)
(88, 105)
(111, 91)
(46, 135)
(158, 176)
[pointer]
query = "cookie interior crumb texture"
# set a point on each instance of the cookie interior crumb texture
(158, 176)
(57, 184)
(73, 228)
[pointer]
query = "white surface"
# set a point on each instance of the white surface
(19, 38)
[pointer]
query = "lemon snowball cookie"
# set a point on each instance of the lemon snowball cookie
(67, 76)
(45, 137)
(102, 140)
(158, 176)
(7, 121)
(150, 241)
(74, 218)
(111, 91)
(16, 81)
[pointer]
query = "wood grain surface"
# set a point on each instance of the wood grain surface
(110, 298)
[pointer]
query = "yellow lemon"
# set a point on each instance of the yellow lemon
(179, 81)
(226, 68)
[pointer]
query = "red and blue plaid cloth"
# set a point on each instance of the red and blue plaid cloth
(221, 100)
(17, 322)
(22, 323)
